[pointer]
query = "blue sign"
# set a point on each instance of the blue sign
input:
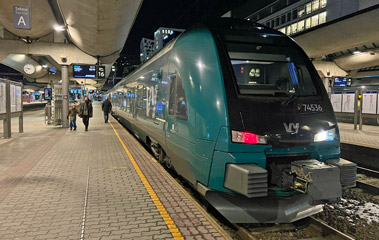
(84, 71)
(340, 82)
(48, 93)
(21, 17)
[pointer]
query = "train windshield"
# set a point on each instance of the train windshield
(270, 70)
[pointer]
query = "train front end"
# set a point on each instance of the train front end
(278, 160)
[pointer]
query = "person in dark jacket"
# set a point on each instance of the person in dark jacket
(107, 107)
(86, 111)
(72, 115)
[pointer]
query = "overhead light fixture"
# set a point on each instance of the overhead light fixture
(60, 28)
(357, 52)
(27, 40)
(44, 66)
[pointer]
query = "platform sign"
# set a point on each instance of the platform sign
(21, 17)
(348, 101)
(336, 99)
(369, 102)
(2, 97)
(100, 71)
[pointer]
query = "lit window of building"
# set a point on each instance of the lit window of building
(315, 5)
(294, 28)
(300, 26)
(323, 3)
(283, 30)
(314, 20)
(322, 18)
(308, 8)
(288, 30)
(307, 23)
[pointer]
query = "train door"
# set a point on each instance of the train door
(158, 93)
(176, 135)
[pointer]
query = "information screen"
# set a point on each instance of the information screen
(340, 82)
(48, 93)
(84, 71)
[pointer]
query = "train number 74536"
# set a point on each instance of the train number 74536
(311, 107)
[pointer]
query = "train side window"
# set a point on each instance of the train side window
(177, 101)
(171, 103)
(181, 102)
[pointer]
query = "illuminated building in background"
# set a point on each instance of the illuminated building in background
(162, 36)
(146, 49)
(294, 16)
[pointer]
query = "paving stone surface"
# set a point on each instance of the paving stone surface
(190, 221)
(51, 178)
(368, 136)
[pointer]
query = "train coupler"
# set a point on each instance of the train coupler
(318, 180)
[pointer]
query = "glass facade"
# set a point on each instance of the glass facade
(314, 20)
(315, 5)
(311, 12)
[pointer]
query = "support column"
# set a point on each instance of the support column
(7, 121)
(65, 83)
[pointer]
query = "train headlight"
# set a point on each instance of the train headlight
(248, 137)
(325, 136)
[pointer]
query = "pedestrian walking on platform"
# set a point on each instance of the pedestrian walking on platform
(86, 111)
(72, 115)
(107, 108)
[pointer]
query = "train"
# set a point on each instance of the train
(238, 111)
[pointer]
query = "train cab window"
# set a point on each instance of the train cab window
(177, 99)
(270, 70)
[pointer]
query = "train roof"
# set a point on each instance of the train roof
(230, 29)
(239, 30)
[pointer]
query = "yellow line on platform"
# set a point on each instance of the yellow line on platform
(166, 217)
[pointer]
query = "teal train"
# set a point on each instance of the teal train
(239, 111)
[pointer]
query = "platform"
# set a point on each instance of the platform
(367, 137)
(101, 184)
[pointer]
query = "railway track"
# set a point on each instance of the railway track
(366, 186)
(309, 228)
(368, 172)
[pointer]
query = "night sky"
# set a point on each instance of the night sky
(180, 14)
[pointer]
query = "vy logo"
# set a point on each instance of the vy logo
(291, 127)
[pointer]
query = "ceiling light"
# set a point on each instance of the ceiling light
(44, 66)
(60, 28)
(357, 52)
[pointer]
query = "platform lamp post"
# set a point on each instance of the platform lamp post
(65, 83)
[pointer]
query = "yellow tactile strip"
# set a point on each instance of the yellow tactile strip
(166, 217)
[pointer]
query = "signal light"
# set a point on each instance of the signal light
(248, 137)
